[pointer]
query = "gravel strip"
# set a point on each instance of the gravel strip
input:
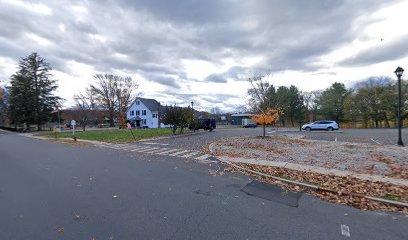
(364, 158)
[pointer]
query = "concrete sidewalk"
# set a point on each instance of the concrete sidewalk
(312, 169)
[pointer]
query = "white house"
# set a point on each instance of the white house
(144, 112)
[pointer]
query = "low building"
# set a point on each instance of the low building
(236, 119)
(144, 113)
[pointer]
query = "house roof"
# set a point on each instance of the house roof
(151, 104)
(241, 115)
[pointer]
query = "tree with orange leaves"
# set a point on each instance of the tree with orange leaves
(267, 116)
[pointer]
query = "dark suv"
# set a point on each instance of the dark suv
(206, 124)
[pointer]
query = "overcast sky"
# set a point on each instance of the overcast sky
(204, 51)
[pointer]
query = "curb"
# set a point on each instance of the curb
(312, 186)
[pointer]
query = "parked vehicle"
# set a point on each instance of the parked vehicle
(206, 124)
(250, 125)
(321, 125)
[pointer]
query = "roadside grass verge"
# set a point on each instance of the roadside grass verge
(114, 136)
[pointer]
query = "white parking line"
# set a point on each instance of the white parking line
(190, 154)
(137, 149)
(150, 143)
(345, 230)
(179, 153)
(202, 157)
(375, 141)
(120, 146)
(168, 151)
(150, 149)
(157, 150)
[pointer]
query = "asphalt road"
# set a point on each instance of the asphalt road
(119, 194)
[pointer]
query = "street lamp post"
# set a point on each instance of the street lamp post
(399, 71)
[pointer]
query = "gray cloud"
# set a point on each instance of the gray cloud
(233, 73)
(385, 51)
(156, 36)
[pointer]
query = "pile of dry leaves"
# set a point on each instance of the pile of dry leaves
(357, 157)
(360, 158)
(334, 189)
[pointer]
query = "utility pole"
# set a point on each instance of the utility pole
(158, 115)
(399, 71)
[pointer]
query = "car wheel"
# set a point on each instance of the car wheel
(308, 129)
(330, 129)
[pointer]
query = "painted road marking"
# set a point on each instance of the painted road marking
(168, 151)
(179, 153)
(190, 154)
(150, 143)
(120, 146)
(375, 141)
(137, 149)
(345, 230)
(202, 157)
(157, 150)
(149, 149)
(335, 139)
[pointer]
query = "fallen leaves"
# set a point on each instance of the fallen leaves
(357, 157)
(339, 187)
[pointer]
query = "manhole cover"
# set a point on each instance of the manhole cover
(272, 193)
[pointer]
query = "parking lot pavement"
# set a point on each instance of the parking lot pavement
(374, 136)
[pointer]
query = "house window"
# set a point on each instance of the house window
(144, 121)
(137, 102)
(132, 113)
(137, 112)
(143, 112)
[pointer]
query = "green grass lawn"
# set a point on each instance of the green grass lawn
(116, 136)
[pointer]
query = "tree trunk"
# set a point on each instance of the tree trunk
(111, 122)
(387, 123)
(264, 130)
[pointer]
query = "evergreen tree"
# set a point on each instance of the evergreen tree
(290, 101)
(31, 97)
(332, 102)
(3, 106)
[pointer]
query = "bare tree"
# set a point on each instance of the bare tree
(125, 94)
(114, 93)
(311, 102)
(259, 92)
(86, 104)
(261, 95)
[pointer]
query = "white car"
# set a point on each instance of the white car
(321, 125)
